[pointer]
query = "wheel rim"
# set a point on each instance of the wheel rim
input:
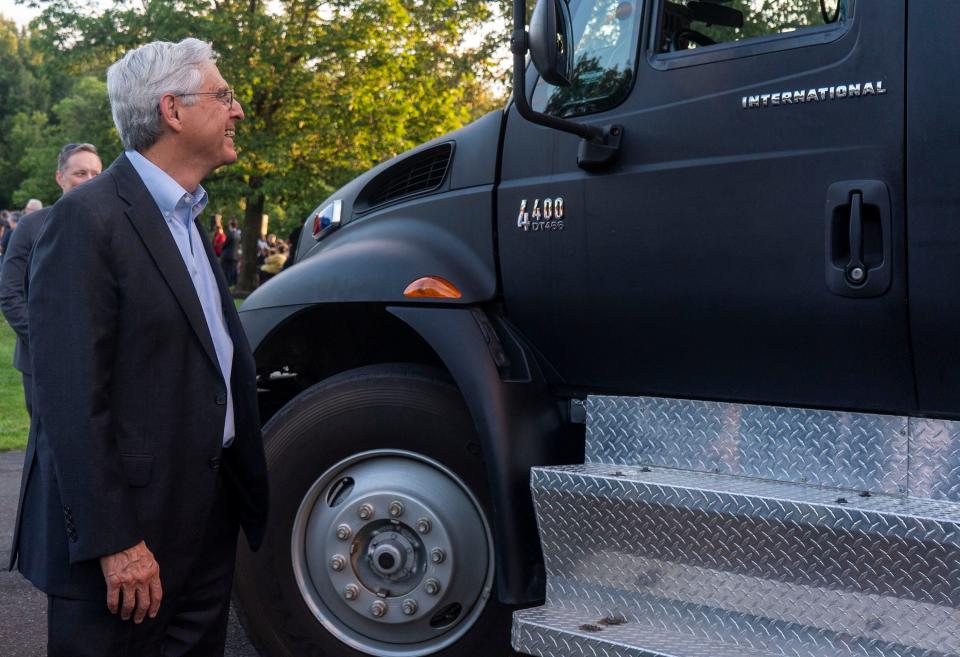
(392, 554)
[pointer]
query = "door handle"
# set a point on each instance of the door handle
(856, 271)
(858, 238)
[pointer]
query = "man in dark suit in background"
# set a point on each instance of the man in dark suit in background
(145, 453)
(77, 164)
(293, 239)
(231, 249)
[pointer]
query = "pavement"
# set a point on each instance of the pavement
(23, 615)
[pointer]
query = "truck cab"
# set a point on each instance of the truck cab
(659, 359)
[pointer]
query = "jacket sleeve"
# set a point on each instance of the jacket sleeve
(74, 307)
(13, 302)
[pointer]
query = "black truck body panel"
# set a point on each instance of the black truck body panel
(933, 202)
(694, 267)
(520, 427)
(697, 266)
(376, 254)
(376, 257)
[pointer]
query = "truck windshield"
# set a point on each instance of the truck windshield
(605, 34)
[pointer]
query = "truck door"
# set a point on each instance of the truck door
(748, 244)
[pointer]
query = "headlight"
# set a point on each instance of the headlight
(327, 220)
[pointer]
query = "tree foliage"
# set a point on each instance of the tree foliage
(328, 88)
(23, 97)
(763, 17)
(83, 116)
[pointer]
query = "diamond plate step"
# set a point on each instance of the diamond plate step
(706, 564)
(890, 454)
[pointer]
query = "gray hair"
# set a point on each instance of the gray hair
(69, 150)
(33, 205)
(136, 82)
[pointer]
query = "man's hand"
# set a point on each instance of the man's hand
(136, 574)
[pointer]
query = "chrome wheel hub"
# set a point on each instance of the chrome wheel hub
(392, 554)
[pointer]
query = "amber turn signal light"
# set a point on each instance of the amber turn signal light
(432, 287)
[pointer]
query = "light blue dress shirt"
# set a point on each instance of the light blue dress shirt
(179, 209)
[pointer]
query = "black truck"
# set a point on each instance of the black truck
(661, 359)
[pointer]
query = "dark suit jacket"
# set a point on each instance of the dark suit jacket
(129, 399)
(13, 301)
(230, 244)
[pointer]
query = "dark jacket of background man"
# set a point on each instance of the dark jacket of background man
(77, 163)
(231, 251)
(231, 243)
(136, 386)
(13, 303)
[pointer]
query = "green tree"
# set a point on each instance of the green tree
(83, 116)
(328, 88)
(23, 90)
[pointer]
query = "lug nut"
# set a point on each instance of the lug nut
(365, 512)
(409, 606)
(396, 508)
(437, 555)
(378, 609)
(423, 526)
(350, 592)
(344, 532)
(338, 562)
(431, 586)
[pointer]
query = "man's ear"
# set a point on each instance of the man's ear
(169, 113)
(59, 177)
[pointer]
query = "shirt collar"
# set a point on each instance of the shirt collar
(167, 193)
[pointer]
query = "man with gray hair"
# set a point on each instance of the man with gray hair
(32, 205)
(76, 164)
(145, 456)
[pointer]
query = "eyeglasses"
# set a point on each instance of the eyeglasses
(225, 96)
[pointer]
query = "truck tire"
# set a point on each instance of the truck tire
(378, 540)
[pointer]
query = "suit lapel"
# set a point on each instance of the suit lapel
(145, 216)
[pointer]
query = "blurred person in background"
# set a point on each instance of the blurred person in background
(231, 253)
(293, 239)
(8, 227)
(13, 221)
(219, 237)
(32, 206)
(76, 164)
(273, 263)
(4, 225)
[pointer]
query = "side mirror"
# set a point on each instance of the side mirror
(551, 41)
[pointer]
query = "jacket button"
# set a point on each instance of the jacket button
(214, 463)
(221, 399)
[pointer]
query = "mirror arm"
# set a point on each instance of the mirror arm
(519, 44)
(600, 146)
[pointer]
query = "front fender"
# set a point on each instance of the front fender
(373, 259)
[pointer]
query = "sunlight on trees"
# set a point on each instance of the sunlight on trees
(329, 88)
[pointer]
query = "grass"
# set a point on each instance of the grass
(14, 422)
